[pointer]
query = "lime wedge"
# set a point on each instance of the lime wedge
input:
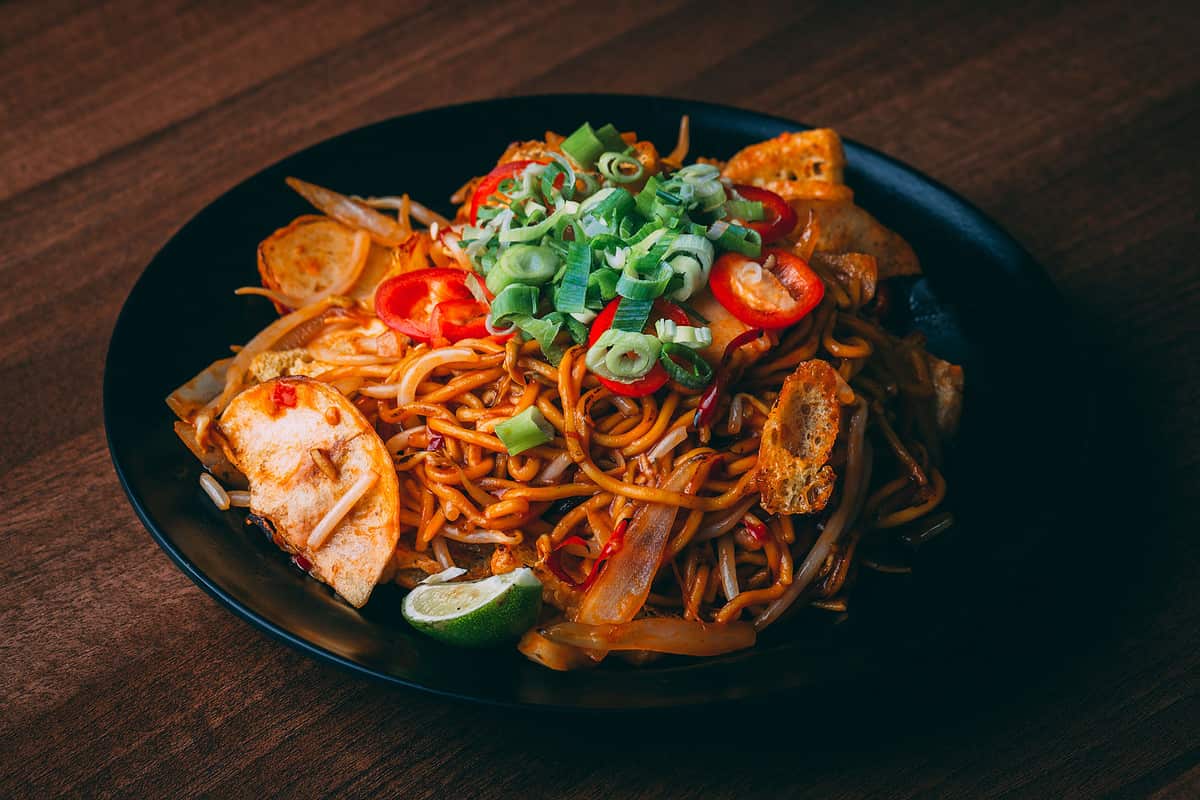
(481, 613)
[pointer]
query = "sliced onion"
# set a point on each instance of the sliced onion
(716, 229)
(446, 575)
(442, 553)
(382, 228)
(626, 406)
(400, 441)
(735, 415)
(668, 443)
(656, 635)
(261, 343)
(721, 522)
(426, 215)
(620, 591)
(416, 372)
(554, 470)
(494, 331)
(853, 493)
(481, 536)
(727, 567)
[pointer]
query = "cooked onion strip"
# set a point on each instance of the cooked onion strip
(382, 229)
(656, 635)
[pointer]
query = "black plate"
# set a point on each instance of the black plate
(983, 303)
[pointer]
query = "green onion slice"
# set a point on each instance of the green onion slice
(522, 263)
(623, 355)
(637, 285)
(531, 233)
(572, 292)
(515, 300)
(669, 332)
(729, 236)
(646, 197)
(545, 331)
(748, 210)
(632, 315)
(601, 287)
(620, 168)
(611, 137)
(583, 146)
(526, 430)
(695, 373)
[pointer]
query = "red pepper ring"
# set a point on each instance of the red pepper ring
(490, 185)
(610, 549)
(781, 219)
(461, 319)
(706, 409)
(762, 298)
(657, 377)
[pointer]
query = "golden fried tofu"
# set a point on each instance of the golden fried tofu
(846, 228)
(306, 450)
(725, 328)
(792, 164)
(793, 473)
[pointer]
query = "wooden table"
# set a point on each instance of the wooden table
(1077, 128)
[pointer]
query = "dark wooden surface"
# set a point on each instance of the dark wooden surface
(1076, 127)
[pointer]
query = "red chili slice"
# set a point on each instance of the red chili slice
(283, 394)
(781, 219)
(657, 377)
(766, 298)
(407, 302)
(461, 319)
(706, 409)
(491, 183)
(610, 549)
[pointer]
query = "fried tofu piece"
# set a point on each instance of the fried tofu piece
(274, 364)
(302, 446)
(305, 257)
(725, 328)
(948, 385)
(795, 164)
(846, 228)
(793, 474)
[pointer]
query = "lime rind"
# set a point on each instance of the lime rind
(480, 613)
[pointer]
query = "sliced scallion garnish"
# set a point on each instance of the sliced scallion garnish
(583, 146)
(525, 431)
(632, 315)
(696, 373)
(620, 168)
(572, 291)
(515, 300)
(747, 210)
(523, 263)
(623, 355)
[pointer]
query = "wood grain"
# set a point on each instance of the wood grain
(1075, 126)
